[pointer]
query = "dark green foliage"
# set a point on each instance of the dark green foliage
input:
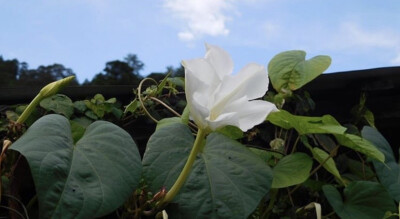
(81, 180)
(227, 180)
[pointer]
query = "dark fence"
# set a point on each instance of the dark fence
(334, 94)
(337, 93)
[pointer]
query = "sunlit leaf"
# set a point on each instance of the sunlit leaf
(289, 70)
(291, 170)
(306, 124)
(324, 125)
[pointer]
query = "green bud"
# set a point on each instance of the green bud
(54, 87)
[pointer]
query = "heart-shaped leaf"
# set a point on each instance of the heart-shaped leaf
(58, 103)
(389, 172)
(290, 70)
(89, 179)
(362, 199)
(227, 179)
(291, 170)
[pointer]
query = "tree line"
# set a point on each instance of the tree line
(118, 72)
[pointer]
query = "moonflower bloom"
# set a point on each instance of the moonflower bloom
(217, 98)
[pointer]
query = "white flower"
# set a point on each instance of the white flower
(216, 98)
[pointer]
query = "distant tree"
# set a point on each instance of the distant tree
(133, 61)
(9, 70)
(45, 74)
(117, 72)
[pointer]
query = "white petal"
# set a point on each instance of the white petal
(196, 85)
(199, 77)
(249, 113)
(198, 113)
(256, 113)
(220, 60)
(223, 120)
(252, 81)
(202, 70)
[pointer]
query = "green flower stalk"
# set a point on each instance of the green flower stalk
(47, 91)
(197, 147)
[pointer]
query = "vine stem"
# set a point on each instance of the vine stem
(171, 110)
(141, 100)
(317, 168)
(197, 146)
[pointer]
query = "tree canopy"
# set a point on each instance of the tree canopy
(118, 72)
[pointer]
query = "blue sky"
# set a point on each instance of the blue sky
(85, 34)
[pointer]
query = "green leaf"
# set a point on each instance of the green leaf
(100, 106)
(232, 132)
(305, 124)
(98, 98)
(83, 121)
(132, 106)
(329, 165)
(111, 100)
(80, 106)
(90, 114)
(389, 172)
(177, 81)
(117, 112)
(58, 103)
(289, 70)
(266, 156)
(162, 84)
(324, 125)
(322, 157)
(168, 121)
(369, 117)
(11, 115)
(358, 170)
(89, 179)
(185, 115)
(362, 199)
(357, 143)
(77, 131)
(291, 170)
(227, 180)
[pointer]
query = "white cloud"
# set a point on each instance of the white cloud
(272, 30)
(186, 36)
(354, 35)
(201, 17)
